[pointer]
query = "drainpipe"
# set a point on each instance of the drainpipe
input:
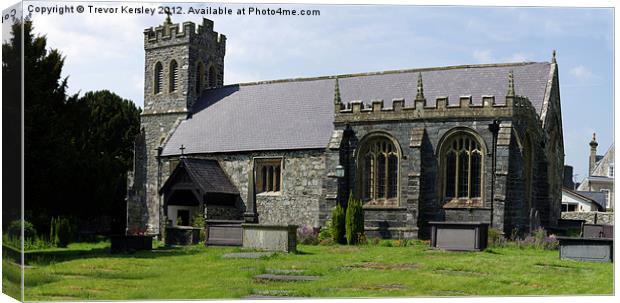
(494, 129)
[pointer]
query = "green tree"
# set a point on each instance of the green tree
(337, 226)
(77, 150)
(104, 142)
(45, 130)
(354, 221)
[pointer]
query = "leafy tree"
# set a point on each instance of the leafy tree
(354, 221)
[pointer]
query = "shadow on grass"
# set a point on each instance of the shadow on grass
(492, 251)
(56, 256)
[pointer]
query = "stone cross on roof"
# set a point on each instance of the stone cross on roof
(168, 20)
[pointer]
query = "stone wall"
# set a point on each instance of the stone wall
(187, 45)
(601, 217)
(419, 130)
(298, 200)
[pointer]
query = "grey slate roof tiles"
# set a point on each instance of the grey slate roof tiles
(299, 113)
(205, 173)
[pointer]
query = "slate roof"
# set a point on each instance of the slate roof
(299, 113)
(207, 174)
(596, 197)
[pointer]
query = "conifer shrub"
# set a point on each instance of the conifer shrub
(60, 232)
(338, 229)
(354, 221)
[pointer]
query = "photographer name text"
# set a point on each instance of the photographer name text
(172, 10)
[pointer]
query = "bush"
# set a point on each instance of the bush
(375, 241)
(354, 221)
(325, 232)
(539, 240)
(307, 235)
(15, 230)
(198, 220)
(386, 243)
(61, 232)
(496, 238)
(337, 226)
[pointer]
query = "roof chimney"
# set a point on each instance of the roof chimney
(593, 145)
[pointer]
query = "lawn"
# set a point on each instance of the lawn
(366, 271)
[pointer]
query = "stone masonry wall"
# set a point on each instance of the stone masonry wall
(601, 217)
(298, 200)
(187, 45)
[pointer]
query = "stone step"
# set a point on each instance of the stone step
(285, 278)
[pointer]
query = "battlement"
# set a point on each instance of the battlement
(358, 111)
(174, 33)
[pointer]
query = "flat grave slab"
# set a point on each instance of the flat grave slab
(248, 255)
(285, 278)
(284, 271)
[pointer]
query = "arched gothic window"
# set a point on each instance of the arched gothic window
(200, 77)
(158, 77)
(378, 169)
(212, 77)
(462, 162)
(174, 75)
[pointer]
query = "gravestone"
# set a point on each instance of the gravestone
(586, 249)
(459, 236)
(270, 237)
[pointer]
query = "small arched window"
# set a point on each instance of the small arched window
(174, 75)
(212, 77)
(462, 162)
(200, 77)
(378, 168)
(158, 77)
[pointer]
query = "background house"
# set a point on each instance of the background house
(600, 174)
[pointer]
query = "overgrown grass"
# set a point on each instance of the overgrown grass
(345, 271)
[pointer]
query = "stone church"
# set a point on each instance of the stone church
(457, 143)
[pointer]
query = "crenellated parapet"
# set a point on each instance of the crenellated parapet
(173, 33)
(441, 108)
(357, 111)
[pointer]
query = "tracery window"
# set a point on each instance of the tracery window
(379, 170)
(174, 75)
(463, 160)
(158, 78)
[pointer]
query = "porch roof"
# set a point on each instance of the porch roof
(206, 174)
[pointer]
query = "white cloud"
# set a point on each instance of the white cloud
(581, 73)
(483, 56)
(518, 57)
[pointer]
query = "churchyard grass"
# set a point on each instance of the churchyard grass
(197, 272)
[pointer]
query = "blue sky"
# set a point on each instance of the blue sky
(106, 51)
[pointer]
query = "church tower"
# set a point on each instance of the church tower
(180, 62)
